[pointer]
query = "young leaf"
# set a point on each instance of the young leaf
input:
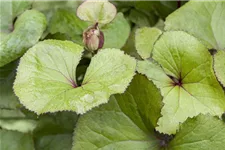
(186, 79)
(49, 82)
(144, 40)
(100, 11)
(116, 33)
(125, 123)
(201, 133)
(12, 140)
(204, 20)
(28, 29)
(219, 66)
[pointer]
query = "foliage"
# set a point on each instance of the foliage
(112, 75)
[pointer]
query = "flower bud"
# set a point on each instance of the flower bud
(93, 38)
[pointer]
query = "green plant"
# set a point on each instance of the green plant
(112, 75)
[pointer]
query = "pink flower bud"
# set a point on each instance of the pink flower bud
(93, 38)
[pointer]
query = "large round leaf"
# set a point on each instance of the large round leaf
(46, 80)
(203, 19)
(28, 29)
(185, 78)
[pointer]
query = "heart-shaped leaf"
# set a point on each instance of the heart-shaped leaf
(185, 78)
(46, 80)
(100, 11)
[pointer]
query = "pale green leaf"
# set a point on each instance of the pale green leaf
(126, 122)
(9, 11)
(185, 78)
(55, 142)
(66, 21)
(97, 11)
(219, 66)
(144, 40)
(49, 82)
(116, 33)
(204, 19)
(28, 29)
(12, 140)
(203, 132)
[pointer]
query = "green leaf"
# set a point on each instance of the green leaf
(11, 117)
(8, 99)
(49, 82)
(21, 125)
(28, 29)
(125, 123)
(141, 19)
(201, 133)
(12, 140)
(129, 47)
(96, 11)
(185, 78)
(204, 19)
(55, 123)
(219, 66)
(145, 39)
(49, 7)
(55, 142)
(9, 11)
(116, 33)
(65, 21)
